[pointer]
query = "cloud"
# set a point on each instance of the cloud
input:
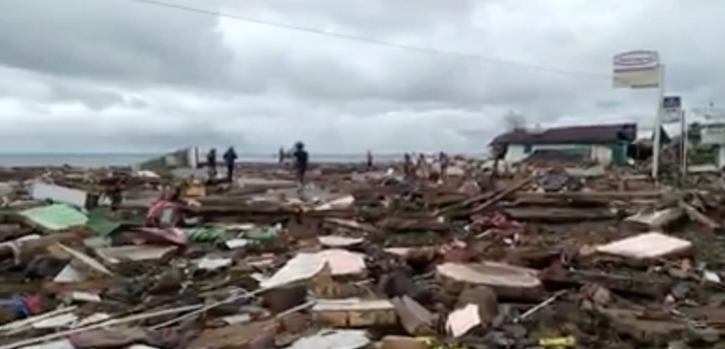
(112, 40)
(120, 75)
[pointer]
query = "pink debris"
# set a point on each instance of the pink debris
(170, 234)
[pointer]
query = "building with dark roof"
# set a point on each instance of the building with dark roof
(605, 144)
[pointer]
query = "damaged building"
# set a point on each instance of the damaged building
(604, 144)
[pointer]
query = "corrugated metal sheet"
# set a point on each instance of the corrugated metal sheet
(43, 191)
(333, 339)
(55, 217)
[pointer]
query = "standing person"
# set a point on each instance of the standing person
(302, 159)
(444, 161)
(370, 160)
(421, 166)
(230, 156)
(281, 155)
(421, 162)
(407, 165)
(211, 163)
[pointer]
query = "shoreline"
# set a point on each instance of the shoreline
(242, 162)
(239, 165)
(101, 160)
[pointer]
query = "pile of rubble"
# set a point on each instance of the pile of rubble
(567, 257)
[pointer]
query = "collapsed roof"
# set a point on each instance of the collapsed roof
(570, 134)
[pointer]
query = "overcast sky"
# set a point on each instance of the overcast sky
(117, 75)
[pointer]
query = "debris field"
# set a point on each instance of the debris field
(544, 256)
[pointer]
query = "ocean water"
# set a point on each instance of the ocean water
(100, 160)
(126, 159)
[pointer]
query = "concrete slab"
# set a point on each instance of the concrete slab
(645, 246)
(506, 280)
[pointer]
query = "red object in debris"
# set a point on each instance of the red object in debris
(161, 230)
(454, 251)
(33, 303)
(500, 221)
(496, 220)
(155, 216)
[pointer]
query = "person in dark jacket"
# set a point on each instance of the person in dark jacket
(408, 166)
(302, 159)
(230, 156)
(444, 161)
(281, 155)
(211, 163)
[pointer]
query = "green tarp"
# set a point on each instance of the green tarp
(205, 234)
(100, 224)
(264, 235)
(54, 217)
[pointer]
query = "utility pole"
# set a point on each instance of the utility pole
(657, 149)
(684, 146)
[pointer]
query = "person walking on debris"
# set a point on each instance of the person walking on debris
(211, 163)
(369, 160)
(230, 156)
(301, 161)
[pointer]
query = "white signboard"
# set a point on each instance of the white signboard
(671, 109)
(713, 134)
(636, 69)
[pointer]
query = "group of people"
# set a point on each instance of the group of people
(229, 157)
(299, 154)
(424, 166)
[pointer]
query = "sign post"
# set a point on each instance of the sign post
(671, 109)
(642, 70)
(685, 144)
(672, 112)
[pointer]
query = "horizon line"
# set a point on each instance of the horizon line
(271, 153)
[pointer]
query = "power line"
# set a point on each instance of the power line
(419, 49)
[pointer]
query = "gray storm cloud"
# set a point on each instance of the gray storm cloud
(125, 76)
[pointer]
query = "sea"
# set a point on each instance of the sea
(127, 159)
